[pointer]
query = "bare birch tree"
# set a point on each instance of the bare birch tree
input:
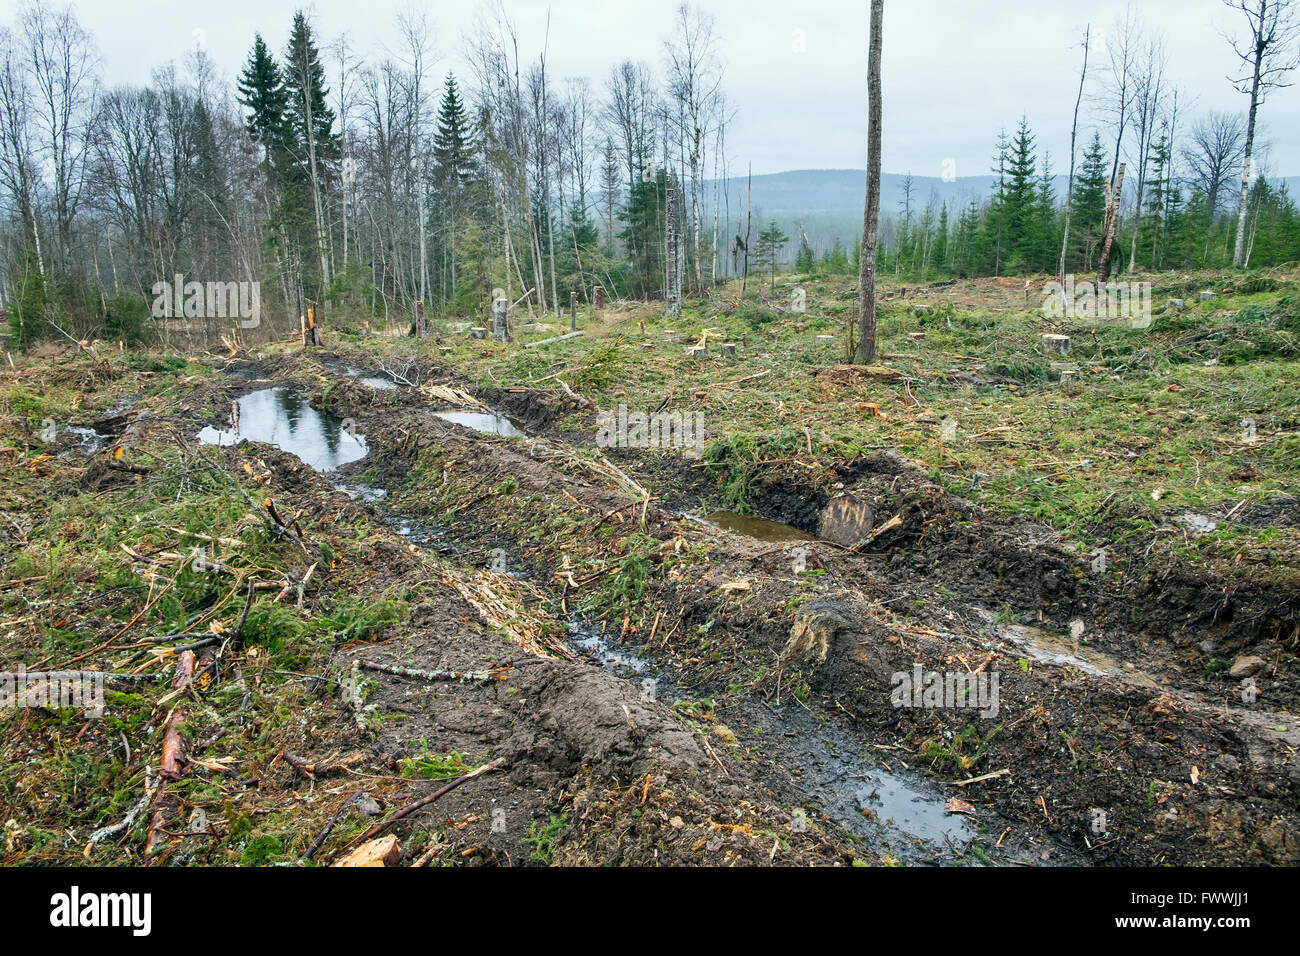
(1269, 53)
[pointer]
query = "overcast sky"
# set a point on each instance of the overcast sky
(954, 71)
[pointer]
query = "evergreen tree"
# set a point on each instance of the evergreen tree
(454, 146)
(1047, 231)
(1151, 224)
(995, 217)
(939, 255)
(835, 261)
(805, 262)
(456, 181)
(770, 243)
(1018, 201)
(969, 242)
(262, 93)
(312, 149)
(578, 254)
(644, 234)
(307, 113)
(1089, 213)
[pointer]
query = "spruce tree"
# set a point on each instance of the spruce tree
(313, 152)
(454, 178)
(1047, 234)
(939, 255)
(453, 144)
(1019, 200)
(262, 93)
(1089, 205)
(995, 219)
(770, 243)
(306, 109)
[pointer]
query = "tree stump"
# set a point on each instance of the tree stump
(501, 320)
(1060, 344)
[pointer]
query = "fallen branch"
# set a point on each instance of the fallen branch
(329, 826)
(556, 338)
(353, 690)
(987, 776)
(410, 808)
(128, 821)
(498, 673)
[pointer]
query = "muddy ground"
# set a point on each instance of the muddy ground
(1122, 720)
(666, 691)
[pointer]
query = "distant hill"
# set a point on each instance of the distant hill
(829, 202)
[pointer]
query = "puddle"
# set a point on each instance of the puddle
(124, 405)
(282, 417)
(420, 535)
(488, 422)
(904, 814)
(89, 441)
(373, 381)
(591, 641)
(897, 811)
(760, 529)
(367, 493)
(1055, 649)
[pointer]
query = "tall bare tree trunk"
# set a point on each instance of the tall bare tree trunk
(1108, 235)
(749, 217)
(865, 350)
(1239, 250)
(1074, 131)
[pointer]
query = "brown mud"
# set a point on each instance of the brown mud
(769, 734)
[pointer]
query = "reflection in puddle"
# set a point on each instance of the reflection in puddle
(755, 527)
(488, 422)
(282, 417)
(373, 381)
(901, 808)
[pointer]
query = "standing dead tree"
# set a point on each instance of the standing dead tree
(1270, 52)
(866, 345)
(1074, 132)
(1148, 104)
(1108, 229)
(1121, 49)
(694, 78)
